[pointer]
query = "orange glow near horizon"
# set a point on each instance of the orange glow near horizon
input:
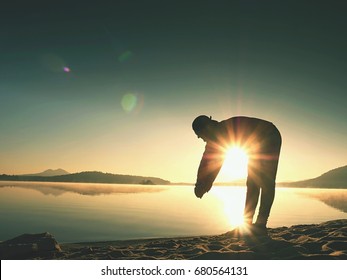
(235, 164)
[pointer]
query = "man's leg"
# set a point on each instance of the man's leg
(267, 178)
(252, 195)
(266, 200)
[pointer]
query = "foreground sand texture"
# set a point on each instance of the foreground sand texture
(322, 241)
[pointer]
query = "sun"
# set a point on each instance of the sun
(235, 164)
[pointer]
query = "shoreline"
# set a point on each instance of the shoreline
(290, 185)
(324, 241)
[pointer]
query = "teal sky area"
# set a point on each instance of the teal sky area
(114, 87)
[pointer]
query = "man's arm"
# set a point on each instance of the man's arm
(210, 165)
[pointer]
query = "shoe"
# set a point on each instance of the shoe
(258, 229)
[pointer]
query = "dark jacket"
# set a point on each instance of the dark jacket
(260, 138)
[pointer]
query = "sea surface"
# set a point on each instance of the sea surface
(79, 212)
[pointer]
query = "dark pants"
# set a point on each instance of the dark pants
(261, 180)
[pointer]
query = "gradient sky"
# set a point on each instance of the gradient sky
(115, 87)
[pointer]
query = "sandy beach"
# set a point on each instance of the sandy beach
(327, 241)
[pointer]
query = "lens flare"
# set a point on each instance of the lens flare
(129, 102)
(125, 56)
(132, 102)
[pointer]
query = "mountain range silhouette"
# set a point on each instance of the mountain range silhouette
(335, 178)
(85, 177)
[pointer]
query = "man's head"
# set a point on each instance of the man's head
(201, 126)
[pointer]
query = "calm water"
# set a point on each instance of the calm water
(94, 212)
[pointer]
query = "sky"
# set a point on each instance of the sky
(114, 86)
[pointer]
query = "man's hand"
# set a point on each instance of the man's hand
(200, 189)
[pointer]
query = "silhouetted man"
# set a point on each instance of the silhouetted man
(262, 141)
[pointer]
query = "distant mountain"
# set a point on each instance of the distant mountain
(50, 172)
(88, 177)
(336, 178)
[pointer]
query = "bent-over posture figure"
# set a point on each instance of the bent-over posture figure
(262, 141)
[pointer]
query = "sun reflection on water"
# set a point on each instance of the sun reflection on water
(233, 203)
